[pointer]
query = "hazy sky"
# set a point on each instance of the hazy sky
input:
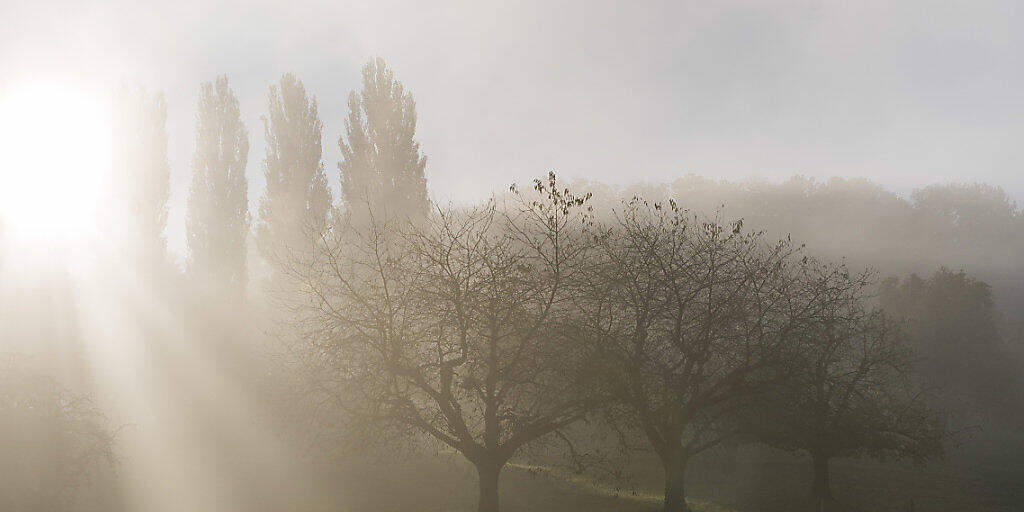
(903, 93)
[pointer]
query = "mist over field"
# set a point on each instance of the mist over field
(570, 256)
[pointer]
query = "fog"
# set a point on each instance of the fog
(737, 90)
(751, 256)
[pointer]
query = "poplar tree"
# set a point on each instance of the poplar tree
(218, 210)
(141, 173)
(382, 166)
(297, 200)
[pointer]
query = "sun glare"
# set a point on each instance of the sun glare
(54, 155)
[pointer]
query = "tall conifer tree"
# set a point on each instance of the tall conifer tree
(382, 166)
(297, 200)
(141, 173)
(218, 210)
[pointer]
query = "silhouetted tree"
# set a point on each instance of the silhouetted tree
(457, 327)
(51, 441)
(381, 166)
(141, 174)
(970, 226)
(297, 201)
(684, 314)
(217, 222)
(847, 390)
(953, 328)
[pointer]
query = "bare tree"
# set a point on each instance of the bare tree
(849, 391)
(687, 317)
(458, 327)
(52, 441)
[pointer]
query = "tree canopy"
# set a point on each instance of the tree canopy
(457, 328)
(847, 387)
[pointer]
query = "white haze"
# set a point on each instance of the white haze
(904, 94)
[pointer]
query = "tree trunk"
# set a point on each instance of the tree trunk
(487, 474)
(675, 491)
(821, 489)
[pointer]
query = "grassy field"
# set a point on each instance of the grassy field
(759, 483)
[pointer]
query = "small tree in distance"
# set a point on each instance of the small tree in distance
(953, 326)
(52, 441)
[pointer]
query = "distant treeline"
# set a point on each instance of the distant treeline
(970, 227)
(949, 261)
(974, 227)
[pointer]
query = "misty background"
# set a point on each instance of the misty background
(903, 94)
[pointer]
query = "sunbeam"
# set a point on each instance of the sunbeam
(54, 159)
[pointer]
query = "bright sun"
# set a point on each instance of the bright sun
(54, 156)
